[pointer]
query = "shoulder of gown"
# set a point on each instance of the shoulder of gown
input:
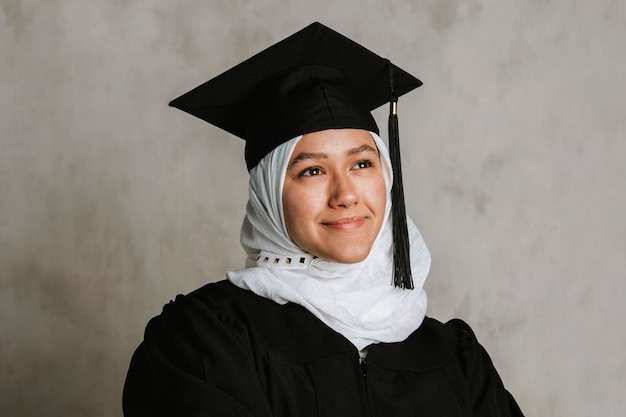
(220, 326)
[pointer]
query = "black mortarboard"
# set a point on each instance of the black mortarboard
(313, 80)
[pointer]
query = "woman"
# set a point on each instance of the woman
(328, 316)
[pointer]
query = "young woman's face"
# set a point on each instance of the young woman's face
(334, 194)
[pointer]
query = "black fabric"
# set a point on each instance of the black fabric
(313, 80)
(223, 351)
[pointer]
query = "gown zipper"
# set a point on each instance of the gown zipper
(363, 369)
(363, 362)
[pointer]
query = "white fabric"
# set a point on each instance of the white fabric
(357, 300)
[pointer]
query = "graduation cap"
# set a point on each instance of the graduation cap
(313, 80)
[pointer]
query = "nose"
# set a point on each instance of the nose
(343, 192)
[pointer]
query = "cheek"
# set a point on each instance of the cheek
(297, 207)
(290, 215)
(378, 196)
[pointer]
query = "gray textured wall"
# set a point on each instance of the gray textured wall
(111, 202)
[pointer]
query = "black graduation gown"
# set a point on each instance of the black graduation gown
(224, 351)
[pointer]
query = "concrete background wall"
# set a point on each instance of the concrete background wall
(111, 203)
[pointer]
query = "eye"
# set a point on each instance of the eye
(310, 172)
(366, 163)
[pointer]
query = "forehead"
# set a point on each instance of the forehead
(335, 141)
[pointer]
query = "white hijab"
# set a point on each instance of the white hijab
(356, 300)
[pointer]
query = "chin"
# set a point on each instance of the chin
(347, 257)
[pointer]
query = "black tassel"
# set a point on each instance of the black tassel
(402, 276)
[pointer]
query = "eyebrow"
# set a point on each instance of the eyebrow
(303, 156)
(361, 149)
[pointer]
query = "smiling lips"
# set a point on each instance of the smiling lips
(346, 223)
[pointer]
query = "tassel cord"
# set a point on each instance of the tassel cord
(402, 277)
